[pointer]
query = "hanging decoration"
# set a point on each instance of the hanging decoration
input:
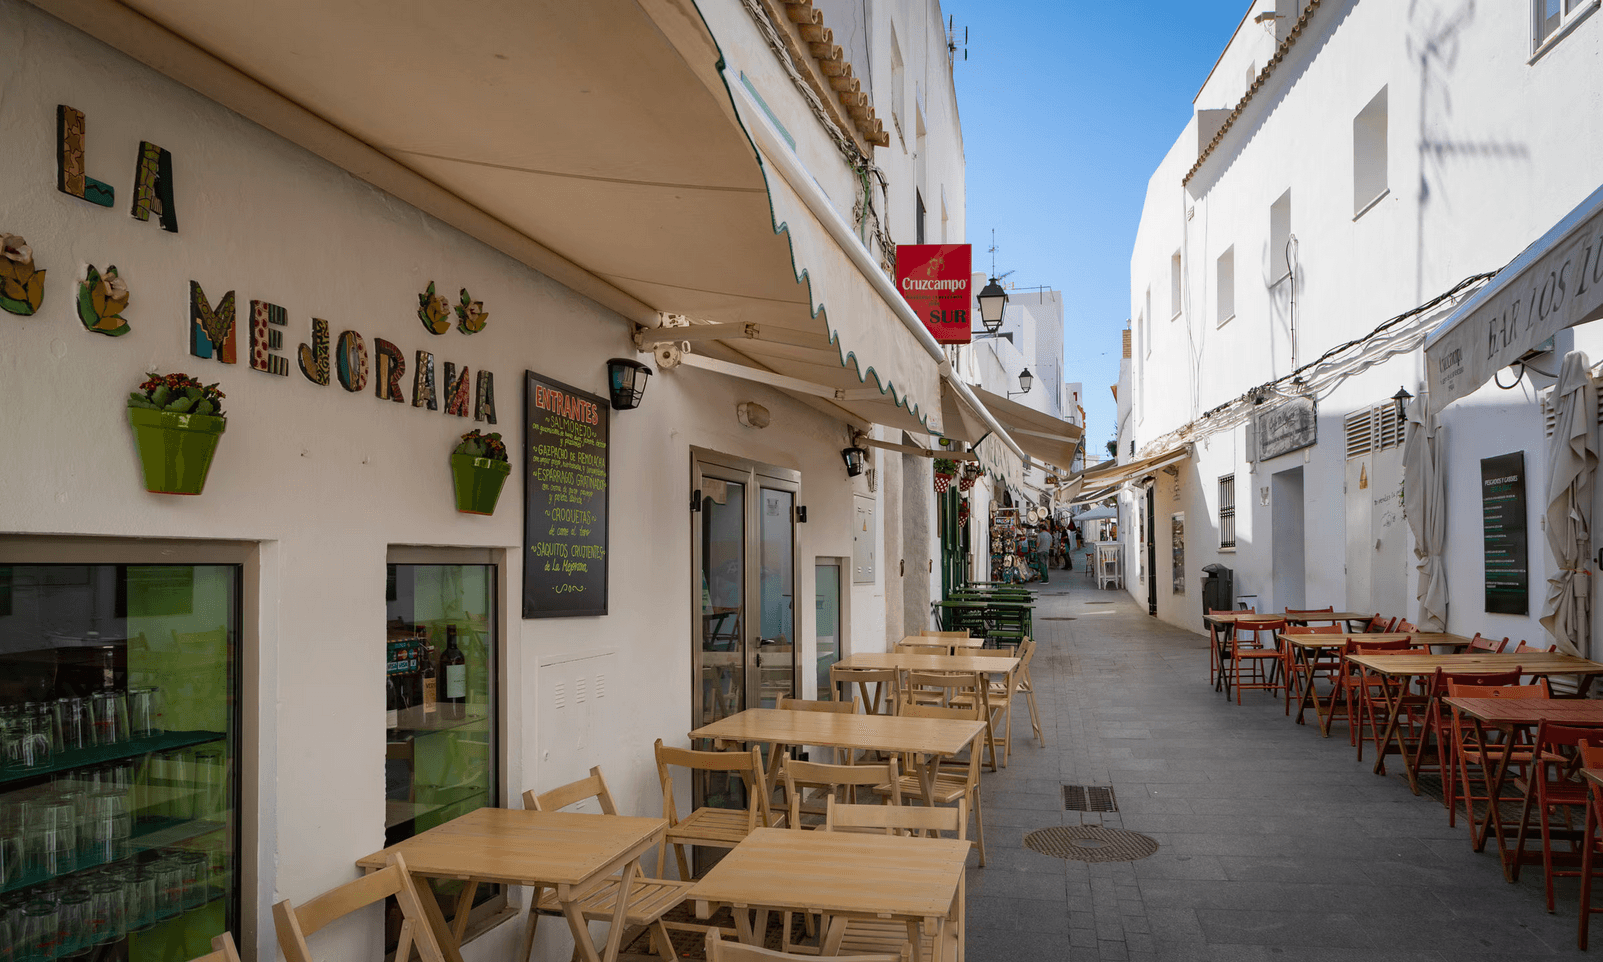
(479, 469)
(945, 472)
(22, 288)
(177, 422)
(433, 311)
(470, 314)
(971, 474)
(101, 300)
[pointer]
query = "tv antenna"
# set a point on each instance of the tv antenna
(951, 38)
(994, 275)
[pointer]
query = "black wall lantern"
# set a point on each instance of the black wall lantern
(1402, 397)
(993, 301)
(1025, 380)
(627, 380)
(854, 457)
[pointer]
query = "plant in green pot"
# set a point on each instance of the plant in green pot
(177, 422)
(479, 468)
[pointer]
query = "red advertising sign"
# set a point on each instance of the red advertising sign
(934, 280)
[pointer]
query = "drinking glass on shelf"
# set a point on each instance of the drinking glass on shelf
(75, 722)
(32, 741)
(195, 868)
(169, 877)
(111, 717)
(109, 920)
(74, 909)
(144, 712)
(51, 827)
(110, 827)
(139, 889)
(41, 930)
(211, 783)
(11, 853)
(8, 939)
(175, 783)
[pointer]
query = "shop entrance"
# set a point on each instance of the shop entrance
(1286, 524)
(744, 556)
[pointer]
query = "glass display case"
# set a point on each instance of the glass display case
(119, 798)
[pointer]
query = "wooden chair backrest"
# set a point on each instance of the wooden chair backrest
(1522, 648)
(1296, 612)
(294, 924)
(800, 776)
(948, 683)
(1478, 643)
(591, 786)
(831, 707)
(895, 819)
(720, 951)
(1376, 624)
(886, 682)
(932, 633)
(223, 950)
(748, 764)
(1591, 757)
(1498, 691)
(1254, 628)
(1356, 647)
(1491, 679)
(1407, 626)
(912, 647)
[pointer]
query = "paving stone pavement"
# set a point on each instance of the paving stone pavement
(1274, 842)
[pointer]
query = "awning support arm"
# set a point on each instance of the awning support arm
(781, 381)
(647, 338)
(864, 441)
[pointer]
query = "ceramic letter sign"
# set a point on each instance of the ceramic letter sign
(314, 359)
(153, 187)
(456, 391)
(211, 331)
(352, 357)
(484, 399)
(423, 382)
(266, 338)
(70, 176)
(388, 366)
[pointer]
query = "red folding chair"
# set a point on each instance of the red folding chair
(1554, 783)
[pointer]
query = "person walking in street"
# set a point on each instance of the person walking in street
(1043, 550)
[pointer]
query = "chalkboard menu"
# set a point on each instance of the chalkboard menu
(1508, 580)
(565, 462)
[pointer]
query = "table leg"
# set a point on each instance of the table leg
(582, 941)
(464, 909)
(535, 892)
(742, 916)
(450, 948)
(1394, 706)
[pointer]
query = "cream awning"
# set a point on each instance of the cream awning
(1043, 437)
(1099, 494)
(603, 143)
(1555, 283)
(1110, 475)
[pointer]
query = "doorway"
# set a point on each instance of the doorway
(744, 558)
(1150, 531)
(829, 620)
(1286, 526)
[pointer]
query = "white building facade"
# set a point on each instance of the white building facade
(1352, 173)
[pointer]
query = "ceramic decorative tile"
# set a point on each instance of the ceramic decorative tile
(70, 175)
(423, 382)
(314, 359)
(351, 358)
(266, 339)
(211, 331)
(433, 311)
(470, 314)
(484, 399)
(389, 364)
(101, 300)
(153, 187)
(22, 286)
(456, 390)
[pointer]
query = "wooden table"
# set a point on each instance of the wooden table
(916, 661)
(570, 852)
(1506, 715)
(931, 738)
(1396, 669)
(918, 881)
(1306, 648)
(1327, 617)
(1220, 627)
(938, 641)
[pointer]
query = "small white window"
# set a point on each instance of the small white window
(1227, 285)
(1279, 237)
(1227, 511)
(1551, 18)
(1369, 154)
(1174, 285)
(1146, 324)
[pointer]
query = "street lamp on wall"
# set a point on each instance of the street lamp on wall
(627, 382)
(1026, 379)
(1401, 399)
(993, 301)
(854, 457)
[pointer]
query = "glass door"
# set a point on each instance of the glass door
(827, 622)
(721, 547)
(776, 586)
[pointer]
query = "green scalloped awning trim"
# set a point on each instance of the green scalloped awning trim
(848, 359)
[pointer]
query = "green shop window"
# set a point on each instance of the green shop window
(441, 717)
(119, 782)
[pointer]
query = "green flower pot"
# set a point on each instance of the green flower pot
(175, 450)
(478, 482)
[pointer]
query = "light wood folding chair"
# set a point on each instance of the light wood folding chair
(841, 707)
(880, 935)
(1026, 686)
(932, 633)
(294, 924)
(883, 698)
(648, 899)
(958, 780)
(923, 647)
(999, 696)
(953, 688)
(828, 781)
(224, 950)
(719, 950)
(709, 826)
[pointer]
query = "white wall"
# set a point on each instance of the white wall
(326, 480)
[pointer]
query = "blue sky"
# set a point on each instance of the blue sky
(1067, 107)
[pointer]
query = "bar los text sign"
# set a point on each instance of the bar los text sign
(566, 464)
(1508, 579)
(934, 280)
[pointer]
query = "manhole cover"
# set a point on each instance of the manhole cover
(1090, 843)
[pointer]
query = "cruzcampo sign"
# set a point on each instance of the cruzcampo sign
(934, 280)
(1556, 283)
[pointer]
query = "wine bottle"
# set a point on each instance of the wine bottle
(455, 666)
(392, 703)
(429, 680)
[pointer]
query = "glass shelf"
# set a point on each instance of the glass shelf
(84, 757)
(414, 721)
(149, 834)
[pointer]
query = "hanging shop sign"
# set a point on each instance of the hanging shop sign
(934, 280)
(1508, 579)
(1287, 427)
(566, 461)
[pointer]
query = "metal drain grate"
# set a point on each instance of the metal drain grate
(1089, 798)
(1091, 843)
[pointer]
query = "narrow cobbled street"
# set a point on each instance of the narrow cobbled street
(1274, 843)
